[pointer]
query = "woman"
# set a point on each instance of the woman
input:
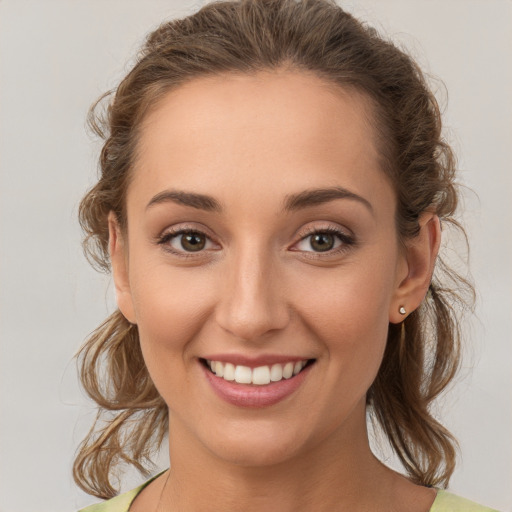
(272, 193)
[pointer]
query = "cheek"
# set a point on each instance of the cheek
(168, 298)
(347, 300)
(171, 309)
(354, 329)
(348, 313)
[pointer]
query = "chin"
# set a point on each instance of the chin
(258, 455)
(256, 447)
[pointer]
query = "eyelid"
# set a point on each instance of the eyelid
(346, 237)
(175, 231)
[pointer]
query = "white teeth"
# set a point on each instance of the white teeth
(260, 376)
(229, 371)
(243, 375)
(276, 373)
(288, 370)
(219, 369)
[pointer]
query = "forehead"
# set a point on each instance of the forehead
(253, 130)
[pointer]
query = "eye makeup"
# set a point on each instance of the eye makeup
(189, 241)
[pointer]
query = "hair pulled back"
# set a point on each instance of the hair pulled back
(246, 36)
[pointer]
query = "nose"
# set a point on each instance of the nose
(252, 303)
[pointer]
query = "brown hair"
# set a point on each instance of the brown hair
(317, 36)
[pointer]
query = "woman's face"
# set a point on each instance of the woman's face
(260, 234)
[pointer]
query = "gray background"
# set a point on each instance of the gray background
(56, 57)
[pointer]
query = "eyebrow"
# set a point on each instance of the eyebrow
(318, 196)
(293, 202)
(199, 201)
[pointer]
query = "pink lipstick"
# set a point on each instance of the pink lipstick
(255, 382)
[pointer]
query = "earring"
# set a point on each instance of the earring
(402, 310)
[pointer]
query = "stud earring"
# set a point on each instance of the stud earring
(402, 310)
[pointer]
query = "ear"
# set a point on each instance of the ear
(420, 255)
(119, 260)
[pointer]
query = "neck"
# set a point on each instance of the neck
(338, 473)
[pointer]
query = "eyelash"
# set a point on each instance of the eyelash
(166, 237)
(346, 241)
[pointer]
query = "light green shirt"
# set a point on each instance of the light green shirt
(444, 502)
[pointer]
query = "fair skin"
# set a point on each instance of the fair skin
(271, 272)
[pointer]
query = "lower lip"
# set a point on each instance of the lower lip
(252, 395)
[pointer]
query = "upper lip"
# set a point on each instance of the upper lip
(255, 361)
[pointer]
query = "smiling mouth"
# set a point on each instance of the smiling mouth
(259, 376)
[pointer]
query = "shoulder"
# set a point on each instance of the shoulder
(448, 502)
(444, 502)
(120, 503)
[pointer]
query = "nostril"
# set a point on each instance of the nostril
(251, 312)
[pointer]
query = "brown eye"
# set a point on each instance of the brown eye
(185, 242)
(329, 241)
(193, 242)
(322, 242)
